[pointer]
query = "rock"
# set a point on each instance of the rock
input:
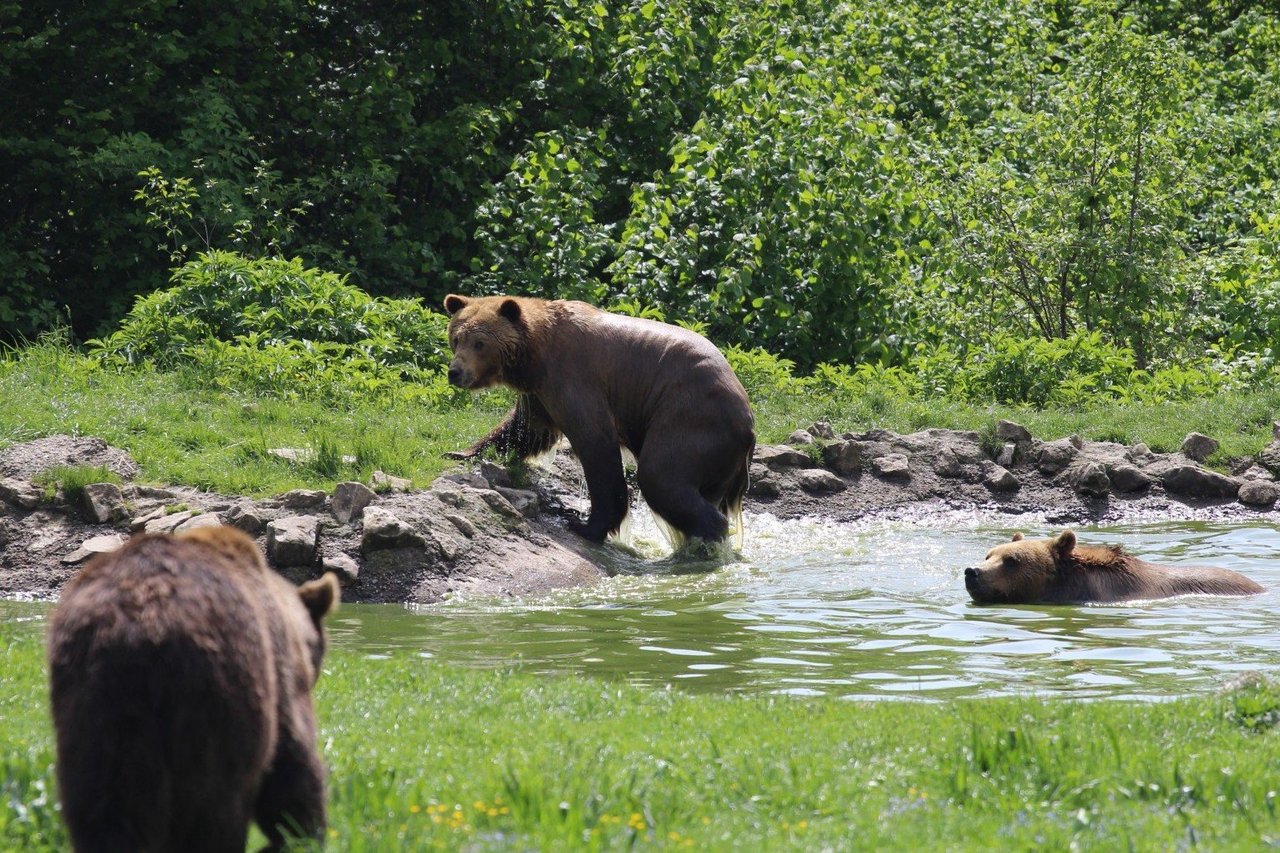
(350, 500)
(1076, 441)
(165, 522)
(1196, 482)
(1139, 452)
(1127, 478)
(1275, 430)
(495, 475)
(303, 499)
(1055, 456)
(947, 463)
(1089, 478)
(844, 457)
(135, 492)
(204, 519)
(24, 461)
(800, 438)
(384, 482)
(291, 541)
(20, 493)
(247, 517)
(95, 545)
(470, 479)
(383, 530)
(1269, 457)
(1258, 493)
(997, 478)
(823, 430)
(1008, 431)
(764, 486)
(343, 565)
(1008, 453)
(524, 501)
(891, 465)
(820, 481)
(1198, 446)
(779, 457)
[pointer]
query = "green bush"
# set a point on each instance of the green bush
(278, 326)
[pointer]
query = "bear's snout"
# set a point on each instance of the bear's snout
(455, 376)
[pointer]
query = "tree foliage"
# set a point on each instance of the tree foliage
(837, 182)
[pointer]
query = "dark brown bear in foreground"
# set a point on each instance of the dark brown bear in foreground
(181, 670)
(608, 382)
(1056, 571)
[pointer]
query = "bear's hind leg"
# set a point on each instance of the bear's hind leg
(683, 507)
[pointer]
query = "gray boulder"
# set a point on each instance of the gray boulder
(844, 457)
(1198, 446)
(350, 500)
(1195, 482)
(291, 541)
(1055, 456)
(102, 503)
(820, 481)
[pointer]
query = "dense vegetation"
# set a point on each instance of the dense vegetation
(428, 757)
(852, 182)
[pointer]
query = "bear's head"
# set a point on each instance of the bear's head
(1020, 571)
(485, 334)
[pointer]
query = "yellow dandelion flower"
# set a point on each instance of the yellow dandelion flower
(415, 808)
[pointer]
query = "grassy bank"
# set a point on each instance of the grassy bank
(427, 757)
(181, 432)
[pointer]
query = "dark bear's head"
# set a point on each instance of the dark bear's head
(1020, 571)
(485, 333)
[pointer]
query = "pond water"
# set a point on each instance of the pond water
(866, 611)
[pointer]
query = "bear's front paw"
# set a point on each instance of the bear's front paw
(589, 531)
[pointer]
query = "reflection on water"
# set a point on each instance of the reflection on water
(860, 612)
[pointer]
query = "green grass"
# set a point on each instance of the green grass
(427, 757)
(181, 433)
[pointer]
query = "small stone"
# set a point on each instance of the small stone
(779, 457)
(247, 517)
(1138, 453)
(820, 481)
(303, 499)
(292, 541)
(525, 501)
(103, 502)
(465, 527)
(167, 523)
(19, 493)
(1056, 456)
(892, 465)
(384, 482)
(1076, 441)
(95, 545)
(1090, 478)
(823, 430)
(384, 530)
(844, 457)
(800, 438)
(1007, 453)
(1127, 478)
(1198, 446)
(494, 474)
(343, 565)
(997, 478)
(764, 486)
(349, 501)
(1196, 482)
(204, 519)
(1258, 493)
(1009, 431)
(500, 504)
(1275, 430)
(470, 479)
(289, 454)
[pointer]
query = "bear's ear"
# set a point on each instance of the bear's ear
(1017, 537)
(1064, 543)
(510, 310)
(321, 597)
(453, 303)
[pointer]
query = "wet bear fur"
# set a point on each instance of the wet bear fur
(1059, 571)
(181, 671)
(607, 383)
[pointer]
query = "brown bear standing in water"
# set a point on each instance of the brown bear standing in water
(1056, 571)
(181, 670)
(608, 382)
